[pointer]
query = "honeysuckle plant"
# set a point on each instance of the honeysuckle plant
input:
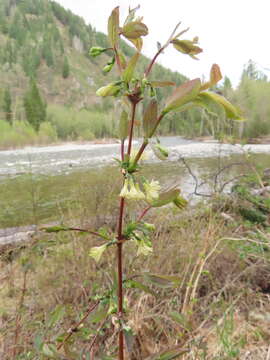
(130, 89)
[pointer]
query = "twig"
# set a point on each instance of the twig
(194, 177)
(18, 315)
(95, 337)
(144, 213)
(148, 70)
(73, 329)
(268, 354)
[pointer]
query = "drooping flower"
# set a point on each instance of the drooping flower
(131, 191)
(97, 251)
(140, 194)
(124, 192)
(152, 189)
(144, 247)
(134, 193)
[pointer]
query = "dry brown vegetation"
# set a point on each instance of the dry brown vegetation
(218, 310)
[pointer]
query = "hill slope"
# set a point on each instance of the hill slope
(40, 39)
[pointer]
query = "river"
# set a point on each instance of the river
(35, 181)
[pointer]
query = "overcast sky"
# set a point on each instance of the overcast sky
(230, 31)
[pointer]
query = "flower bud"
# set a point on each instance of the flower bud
(108, 90)
(180, 202)
(160, 152)
(107, 68)
(96, 51)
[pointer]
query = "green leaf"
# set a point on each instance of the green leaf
(180, 319)
(113, 27)
(134, 30)
(182, 95)
(166, 198)
(150, 118)
(158, 84)
(56, 315)
(140, 286)
(186, 47)
(123, 125)
(56, 228)
(38, 342)
(231, 111)
(168, 354)
(99, 315)
(129, 70)
(163, 281)
(215, 77)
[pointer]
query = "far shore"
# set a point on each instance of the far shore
(106, 141)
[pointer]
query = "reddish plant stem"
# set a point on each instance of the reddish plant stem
(134, 104)
(118, 62)
(120, 278)
(122, 150)
(153, 62)
(120, 244)
(141, 150)
(145, 211)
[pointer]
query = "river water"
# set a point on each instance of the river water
(66, 158)
(38, 182)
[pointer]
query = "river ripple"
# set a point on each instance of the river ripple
(63, 159)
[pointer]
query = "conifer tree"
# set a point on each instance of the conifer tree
(7, 105)
(66, 69)
(35, 107)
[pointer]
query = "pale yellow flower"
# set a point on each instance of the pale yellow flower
(97, 251)
(144, 248)
(140, 194)
(124, 192)
(131, 191)
(152, 190)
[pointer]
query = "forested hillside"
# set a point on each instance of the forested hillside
(48, 78)
(48, 83)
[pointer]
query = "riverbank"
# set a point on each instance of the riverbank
(262, 140)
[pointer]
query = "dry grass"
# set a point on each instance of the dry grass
(219, 309)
